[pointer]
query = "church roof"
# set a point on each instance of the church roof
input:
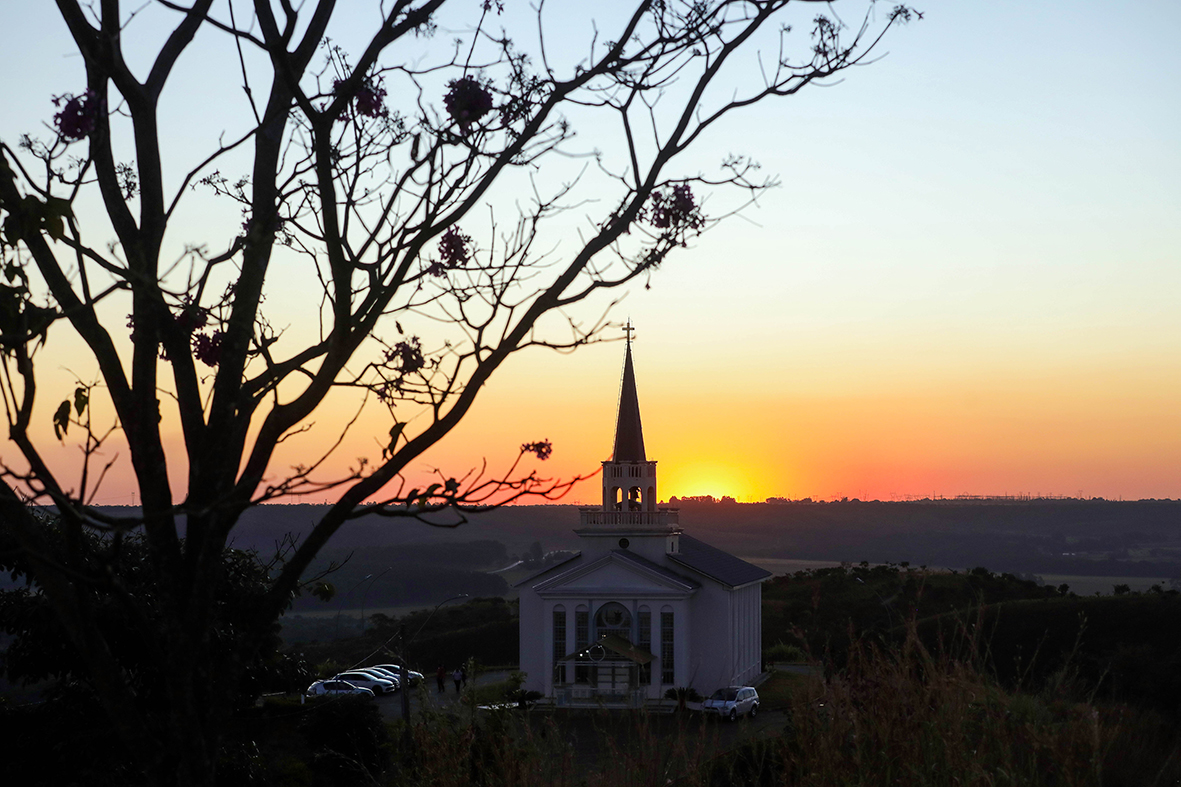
(680, 579)
(686, 584)
(546, 569)
(629, 434)
(716, 564)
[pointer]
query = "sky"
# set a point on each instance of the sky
(968, 281)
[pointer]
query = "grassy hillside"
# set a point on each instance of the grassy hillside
(1124, 647)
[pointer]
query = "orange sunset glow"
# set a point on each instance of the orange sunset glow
(968, 283)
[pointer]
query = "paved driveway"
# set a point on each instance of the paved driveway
(427, 696)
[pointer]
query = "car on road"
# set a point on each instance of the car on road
(368, 681)
(338, 687)
(732, 702)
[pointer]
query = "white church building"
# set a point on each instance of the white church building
(643, 607)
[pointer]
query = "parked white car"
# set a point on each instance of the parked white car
(414, 678)
(732, 702)
(384, 674)
(322, 687)
(368, 681)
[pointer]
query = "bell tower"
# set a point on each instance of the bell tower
(629, 477)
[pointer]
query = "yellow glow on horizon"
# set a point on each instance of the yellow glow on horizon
(688, 478)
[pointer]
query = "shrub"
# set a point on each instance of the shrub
(348, 740)
(781, 651)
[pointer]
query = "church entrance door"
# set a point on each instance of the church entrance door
(614, 679)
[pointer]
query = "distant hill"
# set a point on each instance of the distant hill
(1087, 537)
(1098, 538)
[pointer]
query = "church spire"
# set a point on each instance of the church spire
(629, 434)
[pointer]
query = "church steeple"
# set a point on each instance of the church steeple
(629, 515)
(629, 433)
(629, 479)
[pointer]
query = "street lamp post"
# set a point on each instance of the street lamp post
(402, 663)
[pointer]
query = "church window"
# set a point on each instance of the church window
(667, 647)
(559, 643)
(644, 641)
(614, 618)
(581, 642)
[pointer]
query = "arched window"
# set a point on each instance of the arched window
(614, 618)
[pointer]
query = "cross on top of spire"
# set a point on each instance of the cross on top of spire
(629, 434)
(628, 330)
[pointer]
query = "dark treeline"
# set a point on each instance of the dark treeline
(484, 629)
(1085, 537)
(382, 576)
(1097, 538)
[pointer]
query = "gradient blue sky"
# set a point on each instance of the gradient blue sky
(969, 280)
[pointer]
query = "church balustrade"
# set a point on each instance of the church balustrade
(629, 469)
(595, 517)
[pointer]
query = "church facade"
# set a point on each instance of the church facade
(643, 607)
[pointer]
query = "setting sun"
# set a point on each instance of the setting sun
(717, 479)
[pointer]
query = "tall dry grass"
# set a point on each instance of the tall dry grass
(904, 716)
(910, 717)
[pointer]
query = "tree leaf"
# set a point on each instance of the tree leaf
(55, 227)
(61, 419)
(81, 399)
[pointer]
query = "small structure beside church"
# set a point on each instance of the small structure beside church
(643, 607)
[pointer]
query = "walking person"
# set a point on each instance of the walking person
(441, 679)
(457, 676)
(463, 674)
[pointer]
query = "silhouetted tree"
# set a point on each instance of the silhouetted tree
(366, 178)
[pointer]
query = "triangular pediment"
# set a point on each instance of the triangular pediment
(617, 574)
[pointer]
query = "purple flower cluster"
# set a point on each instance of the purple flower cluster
(408, 354)
(207, 348)
(369, 99)
(455, 249)
(675, 210)
(78, 117)
(543, 449)
(192, 318)
(467, 101)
